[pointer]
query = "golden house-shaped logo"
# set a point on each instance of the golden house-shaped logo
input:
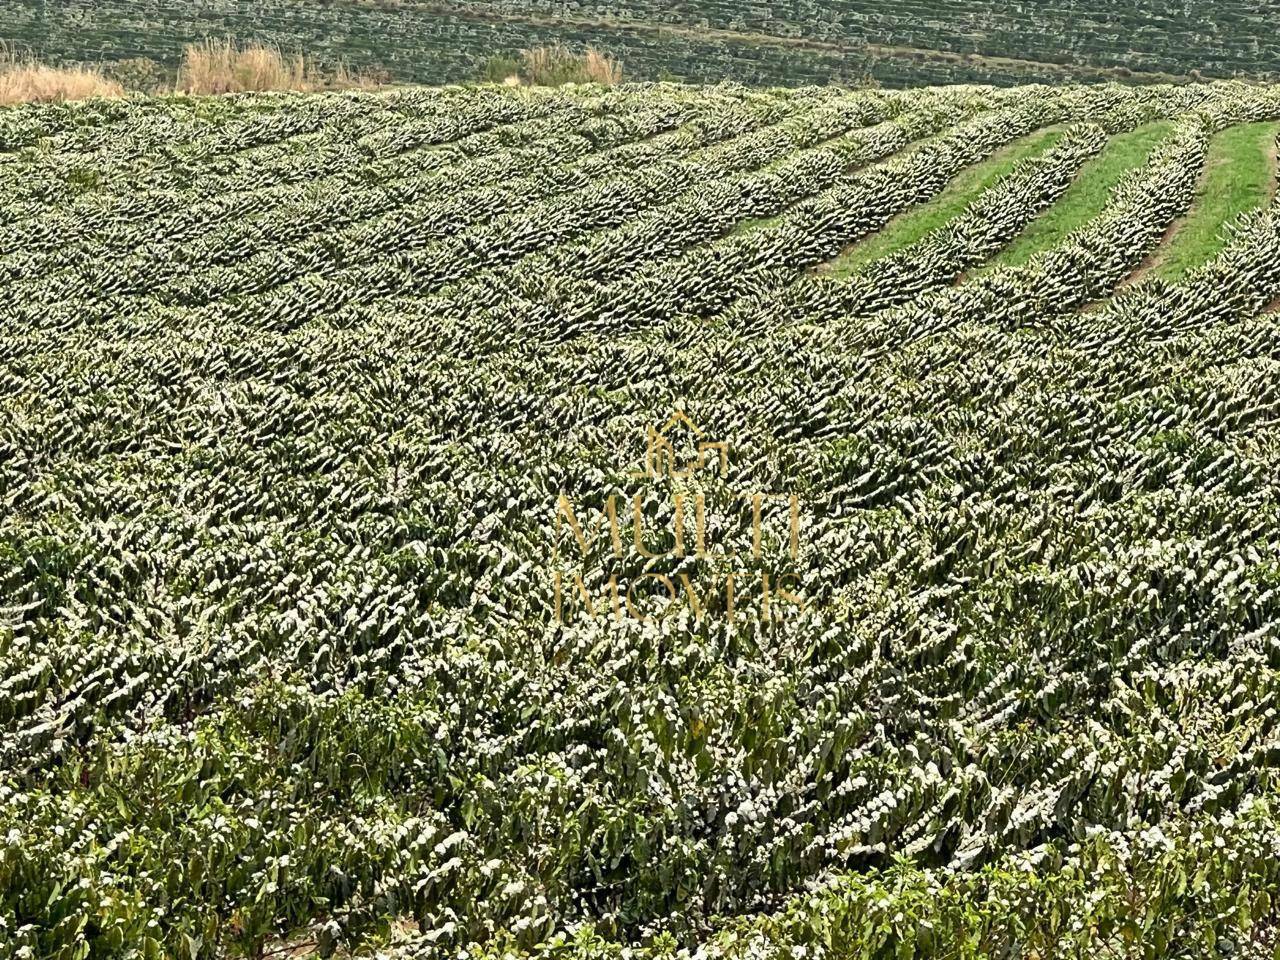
(661, 458)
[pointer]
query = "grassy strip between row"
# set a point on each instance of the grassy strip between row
(1086, 197)
(1239, 176)
(919, 221)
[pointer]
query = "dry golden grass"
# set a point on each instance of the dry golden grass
(23, 80)
(602, 69)
(552, 66)
(225, 66)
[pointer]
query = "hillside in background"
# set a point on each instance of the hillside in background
(295, 649)
(774, 43)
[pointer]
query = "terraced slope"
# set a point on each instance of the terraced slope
(431, 520)
(769, 42)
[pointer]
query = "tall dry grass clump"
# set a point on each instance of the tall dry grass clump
(26, 80)
(601, 69)
(554, 65)
(225, 66)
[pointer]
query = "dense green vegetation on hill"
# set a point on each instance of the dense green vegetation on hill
(316, 629)
(772, 42)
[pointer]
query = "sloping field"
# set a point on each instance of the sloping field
(430, 520)
(764, 42)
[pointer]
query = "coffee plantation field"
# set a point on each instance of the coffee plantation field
(525, 522)
(785, 42)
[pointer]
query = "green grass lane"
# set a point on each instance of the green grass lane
(1240, 173)
(912, 225)
(754, 224)
(1086, 197)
